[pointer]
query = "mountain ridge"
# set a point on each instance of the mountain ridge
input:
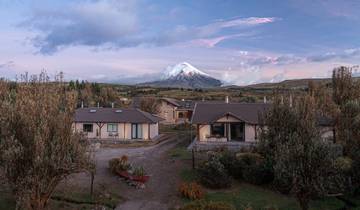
(184, 75)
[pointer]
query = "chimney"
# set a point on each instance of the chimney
(112, 105)
(227, 99)
(82, 104)
(265, 100)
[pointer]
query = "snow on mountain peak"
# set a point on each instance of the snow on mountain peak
(182, 68)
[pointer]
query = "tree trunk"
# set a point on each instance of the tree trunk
(92, 184)
(303, 202)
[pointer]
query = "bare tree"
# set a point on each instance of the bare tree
(150, 104)
(38, 147)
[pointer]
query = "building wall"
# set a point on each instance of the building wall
(124, 131)
(250, 133)
(154, 130)
(167, 112)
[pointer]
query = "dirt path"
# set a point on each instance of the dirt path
(161, 190)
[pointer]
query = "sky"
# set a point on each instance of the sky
(129, 41)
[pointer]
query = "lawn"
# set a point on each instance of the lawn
(242, 195)
(69, 200)
(245, 195)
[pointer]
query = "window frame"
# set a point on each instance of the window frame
(86, 130)
(217, 125)
(112, 125)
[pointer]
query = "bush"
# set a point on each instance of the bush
(119, 164)
(343, 164)
(202, 205)
(192, 191)
(213, 174)
(254, 168)
(139, 171)
(231, 164)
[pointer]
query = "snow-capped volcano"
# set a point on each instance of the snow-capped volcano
(183, 68)
(186, 76)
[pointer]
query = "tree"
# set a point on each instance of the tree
(344, 87)
(292, 143)
(38, 147)
(150, 104)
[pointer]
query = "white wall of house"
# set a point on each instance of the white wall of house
(250, 133)
(228, 119)
(154, 130)
(123, 131)
(167, 112)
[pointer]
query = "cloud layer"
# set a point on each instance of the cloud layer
(117, 24)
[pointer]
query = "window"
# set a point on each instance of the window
(88, 128)
(218, 129)
(181, 115)
(136, 131)
(112, 127)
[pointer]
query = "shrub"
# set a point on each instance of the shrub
(139, 171)
(343, 164)
(212, 174)
(254, 168)
(202, 205)
(231, 164)
(119, 164)
(192, 191)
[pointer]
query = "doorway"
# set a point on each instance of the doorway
(237, 131)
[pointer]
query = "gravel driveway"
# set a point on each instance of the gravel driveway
(161, 190)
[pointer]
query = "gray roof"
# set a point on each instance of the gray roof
(211, 112)
(205, 113)
(114, 115)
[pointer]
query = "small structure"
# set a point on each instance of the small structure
(116, 124)
(176, 111)
(237, 122)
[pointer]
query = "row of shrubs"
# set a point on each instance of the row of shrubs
(217, 171)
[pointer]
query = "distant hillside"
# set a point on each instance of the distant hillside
(290, 84)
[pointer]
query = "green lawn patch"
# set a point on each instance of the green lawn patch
(188, 175)
(70, 200)
(180, 153)
(260, 198)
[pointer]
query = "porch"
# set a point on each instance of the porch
(226, 132)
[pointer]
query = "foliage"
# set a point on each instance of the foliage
(192, 191)
(139, 171)
(119, 164)
(298, 154)
(213, 174)
(202, 205)
(344, 87)
(343, 164)
(254, 168)
(38, 147)
(150, 104)
(231, 164)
